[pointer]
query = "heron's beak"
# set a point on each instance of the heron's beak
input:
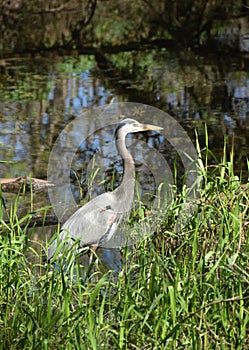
(150, 127)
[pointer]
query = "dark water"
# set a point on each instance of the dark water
(39, 97)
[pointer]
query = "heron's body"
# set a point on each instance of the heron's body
(96, 222)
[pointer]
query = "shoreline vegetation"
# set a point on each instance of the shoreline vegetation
(121, 25)
(185, 289)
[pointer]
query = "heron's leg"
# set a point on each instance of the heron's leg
(92, 267)
(92, 251)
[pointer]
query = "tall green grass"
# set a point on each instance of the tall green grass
(186, 289)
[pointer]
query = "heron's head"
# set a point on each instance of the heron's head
(128, 125)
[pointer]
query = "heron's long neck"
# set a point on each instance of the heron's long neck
(128, 181)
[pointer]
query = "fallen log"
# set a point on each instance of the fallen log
(24, 185)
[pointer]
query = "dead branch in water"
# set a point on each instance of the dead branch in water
(24, 184)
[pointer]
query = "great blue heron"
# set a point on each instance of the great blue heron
(95, 223)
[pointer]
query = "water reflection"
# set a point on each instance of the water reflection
(38, 98)
(30, 126)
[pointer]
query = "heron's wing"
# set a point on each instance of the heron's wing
(94, 221)
(92, 224)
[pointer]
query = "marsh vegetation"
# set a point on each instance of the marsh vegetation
(185, 289)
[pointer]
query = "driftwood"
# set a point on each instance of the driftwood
(24, 184)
